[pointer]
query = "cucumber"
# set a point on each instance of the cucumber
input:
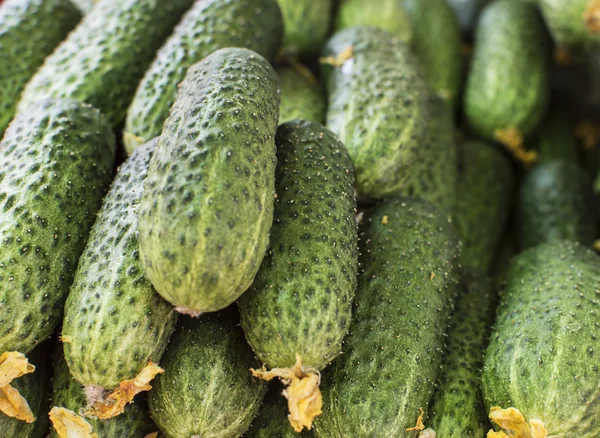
(508, 84)
(392, 356)
(209, 25)
(114, 320)
(508, 249)
(306, 26)
(197, 250)
(554, 138)
(301, 95)
(437, 44)
(457, 410)
(467, 12)
(57, 159)
(67, 393)
(378, 107)
(436, 173)
(29, 31)
(543, 354)
(556, 202)
(84, 6)
(388, 15)
(207, 389)
(574, 24)
(484, 197)
(104, 58)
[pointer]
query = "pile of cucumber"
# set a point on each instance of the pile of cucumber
(316, 218)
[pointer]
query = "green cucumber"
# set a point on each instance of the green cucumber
(437, 43)
(306, 26)
(57, 158)
(574, 24)
(114, 320)
(209, 25)
(484, 197)
(467, 12)
(29, 31)
(207, 389)
(556, 202)
(508, 84)
(104, 58)
(544, 350)
(555, 137)
(198, 251)
(301, 95)
(378, 107)
(508, 249)
(388, 15)
(457, 410)
(392, 357)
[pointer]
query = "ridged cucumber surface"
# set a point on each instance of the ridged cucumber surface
(302, 97)
(29, 31)
(301, 299)
(207, 206)
(209, 25)
(544, 351)
(574, 24)
(115, 322)
(57, 158)
(377, 106)
(388, 15)
(392, 356)
(306, 25)
(207, 389)
(104, 58)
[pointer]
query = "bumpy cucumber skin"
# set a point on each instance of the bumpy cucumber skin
(556, 202)
(378, 107)
(484, 197)
(388, 15)
(467, 12)
(209, 25)
(104, 58)
(457, 410)
(437, 43)
(207, 389)
(392, 355)
(566, 21)
(29, 31)
(306, 25)
(301, 299)
(114, 319)
(544, 351)
(436, 173)
(67, 393)
(57, 159)
(555, 139)
(508, 84)
(35, 387)
(302, 97)
(207, 206)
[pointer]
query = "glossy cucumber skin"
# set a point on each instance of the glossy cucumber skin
(57, 159)
(115, 322)
(302, 96)
(29, 31)
(543, 355)
(306, 24)
(508, 83)
(388, 15)
(215, 159)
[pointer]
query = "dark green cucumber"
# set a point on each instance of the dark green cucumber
(556, 202)
(437, 43)
(574, 24)
(436, 172)
(198, 249)
(29, 31)
(392, 356)
(306, 25)
(209, 25)
(508, 249)
(35, 388)
(467, 12)
(378, 107)
(555, 137)
(57, 159)
(388, 15)
(301, 96)
(484, 197)
(508, 84)
(114, 320)
(207, 389)
(67, 393)
(104, 58)
(544, 351)
(457, 410)
(301, 299)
